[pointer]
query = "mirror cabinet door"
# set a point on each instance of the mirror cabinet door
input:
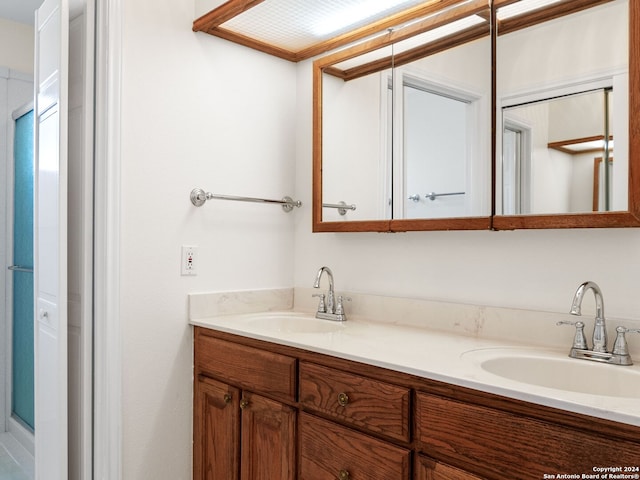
(562, 107)
(403, 125)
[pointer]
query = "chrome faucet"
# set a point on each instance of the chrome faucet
(331, 308)
(330, 294)
(599, 353)
(600, 328)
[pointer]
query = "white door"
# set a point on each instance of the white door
(50, 232)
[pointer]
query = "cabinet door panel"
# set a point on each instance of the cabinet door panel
(268, 439)
(216, 428)
(327, 449)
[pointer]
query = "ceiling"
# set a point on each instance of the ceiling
(20, 11)
(297, 30)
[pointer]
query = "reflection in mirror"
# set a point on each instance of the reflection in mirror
(356, 123)
(442, 129)
(436, 124)
(559, 114)
(406, 128)
(549, 149)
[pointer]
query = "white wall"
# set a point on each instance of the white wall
(16, 46)
(197, 111)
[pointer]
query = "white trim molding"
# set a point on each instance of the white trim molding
(107, 346)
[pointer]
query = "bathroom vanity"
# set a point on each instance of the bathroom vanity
(265, 407)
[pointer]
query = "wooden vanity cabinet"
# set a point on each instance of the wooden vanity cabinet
(264, 411)
(239, 433)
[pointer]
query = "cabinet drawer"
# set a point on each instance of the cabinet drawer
(376, 406)
(327, 449)
(427, 469)
(247, 367)
(500, 444)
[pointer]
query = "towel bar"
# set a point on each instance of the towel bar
(199, 197)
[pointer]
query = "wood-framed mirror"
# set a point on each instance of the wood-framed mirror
(567, 93)
(402, 127)
(583, 188)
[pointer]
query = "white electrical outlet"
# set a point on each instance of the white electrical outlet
(189, 260)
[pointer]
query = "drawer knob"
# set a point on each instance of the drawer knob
(227, 398)
(343, 400)
(244, 403)
(344, 475)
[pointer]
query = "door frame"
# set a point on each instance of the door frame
(81, 179)
(107, 412)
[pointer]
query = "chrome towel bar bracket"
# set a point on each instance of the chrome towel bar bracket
(342, 207)
(199, 197)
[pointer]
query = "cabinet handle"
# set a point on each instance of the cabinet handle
(227, 398)
(344, 475)
(244, 403)
(343, 399)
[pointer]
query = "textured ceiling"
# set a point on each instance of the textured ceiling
(295, 25)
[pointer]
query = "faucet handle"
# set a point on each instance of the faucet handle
(339, 304)
(322, 308)
(620, 346)
(579, 341)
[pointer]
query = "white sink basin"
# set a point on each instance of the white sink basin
(554, 370)
(289, 322)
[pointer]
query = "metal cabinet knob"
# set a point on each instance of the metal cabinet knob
(344, 475)
(227, 398)
(343, 399)
(244, 403)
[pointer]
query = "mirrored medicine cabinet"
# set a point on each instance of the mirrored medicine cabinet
(482, 115)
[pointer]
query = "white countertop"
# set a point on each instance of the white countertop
(422, 352)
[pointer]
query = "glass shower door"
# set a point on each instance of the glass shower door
(22, 406)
